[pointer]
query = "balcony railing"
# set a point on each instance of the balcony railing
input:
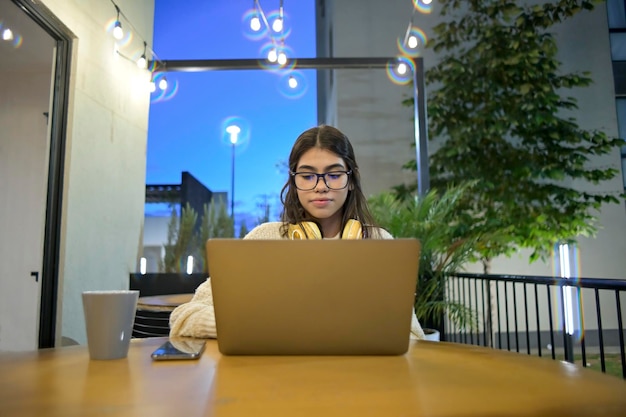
(571, 319)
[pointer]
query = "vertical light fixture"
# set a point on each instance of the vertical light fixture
(567, 259)
(189, 265)
(143, 265)
(233, 131)
(118, 32)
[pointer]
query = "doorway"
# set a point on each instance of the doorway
(34, 71)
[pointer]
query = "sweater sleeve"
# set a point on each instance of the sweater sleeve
(197, 317)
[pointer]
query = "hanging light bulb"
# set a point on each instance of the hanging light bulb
(272, 55)
(255, 23)
(282, 58)
(402, 68)
(293, 82)
(163, 83)
(152, 86)
(412, 42)
(142, 62)
(7, 35)
(118, 32)
(277, 25)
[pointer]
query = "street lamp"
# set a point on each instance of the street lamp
(233, 131)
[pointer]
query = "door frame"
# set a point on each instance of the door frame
(63, 38)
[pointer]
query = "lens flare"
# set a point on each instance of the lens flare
(293, 85)
(423, 6)
(400, 70)
(246, 21)
(419, 36)
(243, 137)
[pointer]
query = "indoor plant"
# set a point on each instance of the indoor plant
(446, 245)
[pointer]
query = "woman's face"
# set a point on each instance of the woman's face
(321, 202)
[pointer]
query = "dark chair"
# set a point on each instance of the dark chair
(155, 323)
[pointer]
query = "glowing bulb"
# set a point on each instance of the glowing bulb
(152, 86)
(282, 58)
(118, 32)
(255, 24)
(163, 83)
(293, 83)
(426, 1)
(412, 42)
(233, 131)
(7, 34)
(142, 62)
(402, 68)
(272, 56)
(277, 25)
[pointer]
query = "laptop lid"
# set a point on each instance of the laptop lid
(313, 297)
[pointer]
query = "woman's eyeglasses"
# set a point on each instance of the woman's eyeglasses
(334, 180)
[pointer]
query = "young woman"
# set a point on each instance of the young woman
(322, 199)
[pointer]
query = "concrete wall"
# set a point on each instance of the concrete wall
(104, 184)
(369, 112)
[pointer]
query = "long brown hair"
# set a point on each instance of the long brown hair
(331, 139)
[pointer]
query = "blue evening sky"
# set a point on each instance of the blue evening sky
(186, 127)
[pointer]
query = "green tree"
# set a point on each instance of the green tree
(181, 239)
(499, 114)
(215, 223)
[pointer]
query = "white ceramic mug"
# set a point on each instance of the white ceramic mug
(109, 317)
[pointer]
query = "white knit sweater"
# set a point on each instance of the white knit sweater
(197, 317)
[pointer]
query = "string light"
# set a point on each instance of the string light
(142, 62)
(275, 53)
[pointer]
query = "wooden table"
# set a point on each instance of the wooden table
(433, 379)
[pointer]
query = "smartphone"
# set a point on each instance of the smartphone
(179, 349)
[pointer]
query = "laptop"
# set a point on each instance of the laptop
(313, 297)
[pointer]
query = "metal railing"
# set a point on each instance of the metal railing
(569, 318)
